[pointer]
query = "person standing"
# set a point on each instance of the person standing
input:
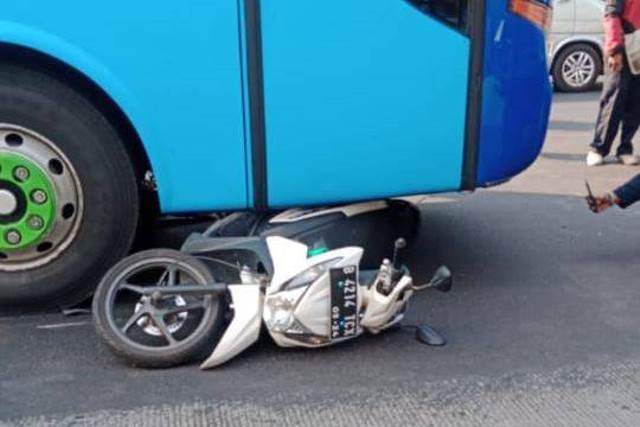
(620, 102)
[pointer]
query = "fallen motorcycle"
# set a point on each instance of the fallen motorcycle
(163, 307)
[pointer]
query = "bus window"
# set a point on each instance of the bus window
(452, 12)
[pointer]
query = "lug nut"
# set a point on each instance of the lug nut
(21, 173)
(38, 196)
(35, 222)
(13, 237)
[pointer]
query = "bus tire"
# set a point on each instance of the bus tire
(71, 211)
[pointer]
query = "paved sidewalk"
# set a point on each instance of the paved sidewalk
(580, 397)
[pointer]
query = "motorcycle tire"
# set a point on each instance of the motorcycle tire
(142, 341)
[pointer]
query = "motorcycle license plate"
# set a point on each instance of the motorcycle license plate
(344, 303)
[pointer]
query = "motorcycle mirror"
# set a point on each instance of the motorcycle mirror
(429, 336)
(442, 280)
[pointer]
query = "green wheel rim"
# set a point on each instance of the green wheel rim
(41, 200)
(31, 186)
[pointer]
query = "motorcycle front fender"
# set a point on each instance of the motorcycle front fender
(244, 329)
(381, 309)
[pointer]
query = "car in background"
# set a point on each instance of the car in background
(576, 44)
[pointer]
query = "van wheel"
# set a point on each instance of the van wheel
(68, 193)
(577, 68)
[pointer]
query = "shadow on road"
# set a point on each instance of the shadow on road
(564, 157)
(568, 125)
(577, 98)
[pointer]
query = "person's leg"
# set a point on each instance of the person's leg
(631, 117)
(612, 107)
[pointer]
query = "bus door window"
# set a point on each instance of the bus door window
(452, 12)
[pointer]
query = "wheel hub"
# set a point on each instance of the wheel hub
(174, 322)
(27, 202)
(8, 203)
(41, 202)
(578, 69)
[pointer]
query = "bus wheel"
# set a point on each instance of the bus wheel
(68, 193)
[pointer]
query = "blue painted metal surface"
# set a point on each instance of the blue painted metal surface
(516, 95)
(364, 99)
(173, 67)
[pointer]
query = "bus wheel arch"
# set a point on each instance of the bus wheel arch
(37, 67)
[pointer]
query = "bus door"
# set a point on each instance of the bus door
(363, 99)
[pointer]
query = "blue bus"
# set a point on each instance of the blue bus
(113, 113)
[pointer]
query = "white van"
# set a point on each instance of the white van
(576, 44)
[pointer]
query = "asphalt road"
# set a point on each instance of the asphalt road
(542, 324)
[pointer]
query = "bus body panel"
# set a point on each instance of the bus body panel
(363, 100)
(516, 95)
(174, 68)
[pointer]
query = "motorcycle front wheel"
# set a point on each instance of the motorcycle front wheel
(157, 331)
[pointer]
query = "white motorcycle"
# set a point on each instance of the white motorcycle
(163, 307)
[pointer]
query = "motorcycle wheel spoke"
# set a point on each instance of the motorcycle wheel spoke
(186, 308)
(133, 288)
(173, 276)
(133, 320)
(164, 330)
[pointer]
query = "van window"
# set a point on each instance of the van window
(452, 12)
